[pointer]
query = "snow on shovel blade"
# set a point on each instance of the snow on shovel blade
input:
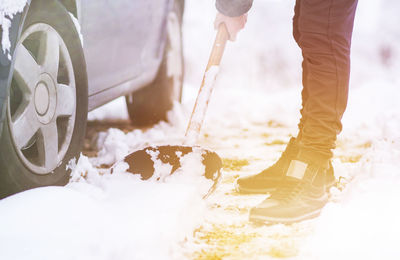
(142, 161)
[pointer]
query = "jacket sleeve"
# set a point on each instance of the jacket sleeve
(233, 8)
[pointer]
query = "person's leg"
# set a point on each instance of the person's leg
(270, 178)
(304, 94)
(323, 31)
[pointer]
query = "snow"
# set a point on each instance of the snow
(114, 110)
(254, 107)
(362, 221)
(366, 212)
(105, 216)
(190, 172)
(161, 170)
(8, 8)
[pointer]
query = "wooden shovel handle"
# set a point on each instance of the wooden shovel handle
(219, 46)
(200, 107)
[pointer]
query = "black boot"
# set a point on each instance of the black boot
(267, 180)
(301, 194)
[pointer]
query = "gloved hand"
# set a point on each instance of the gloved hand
(233, 24)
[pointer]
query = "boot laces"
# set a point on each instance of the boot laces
(288, 191)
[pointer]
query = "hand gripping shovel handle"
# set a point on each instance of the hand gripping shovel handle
(207, 85)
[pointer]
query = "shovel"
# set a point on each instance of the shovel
(145, 161)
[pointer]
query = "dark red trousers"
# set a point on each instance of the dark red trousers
(323, 30)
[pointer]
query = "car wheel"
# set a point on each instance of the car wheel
(47, 105)
(150, 104)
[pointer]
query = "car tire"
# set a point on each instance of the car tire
(48, 102)
(150, 104)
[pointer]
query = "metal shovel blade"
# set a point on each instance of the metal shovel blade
(142, 161)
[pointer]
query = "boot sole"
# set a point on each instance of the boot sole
(265, 220)
(252, 191)
(268, 190)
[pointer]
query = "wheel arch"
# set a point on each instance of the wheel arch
(6, 65)
(72, 6)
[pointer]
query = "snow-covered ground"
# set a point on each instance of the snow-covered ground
(253, 112)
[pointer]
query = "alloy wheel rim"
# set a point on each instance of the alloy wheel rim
(42, 102)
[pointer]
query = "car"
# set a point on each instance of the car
(69, 57)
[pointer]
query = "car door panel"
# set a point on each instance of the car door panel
(106, 37)
(119, 37)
